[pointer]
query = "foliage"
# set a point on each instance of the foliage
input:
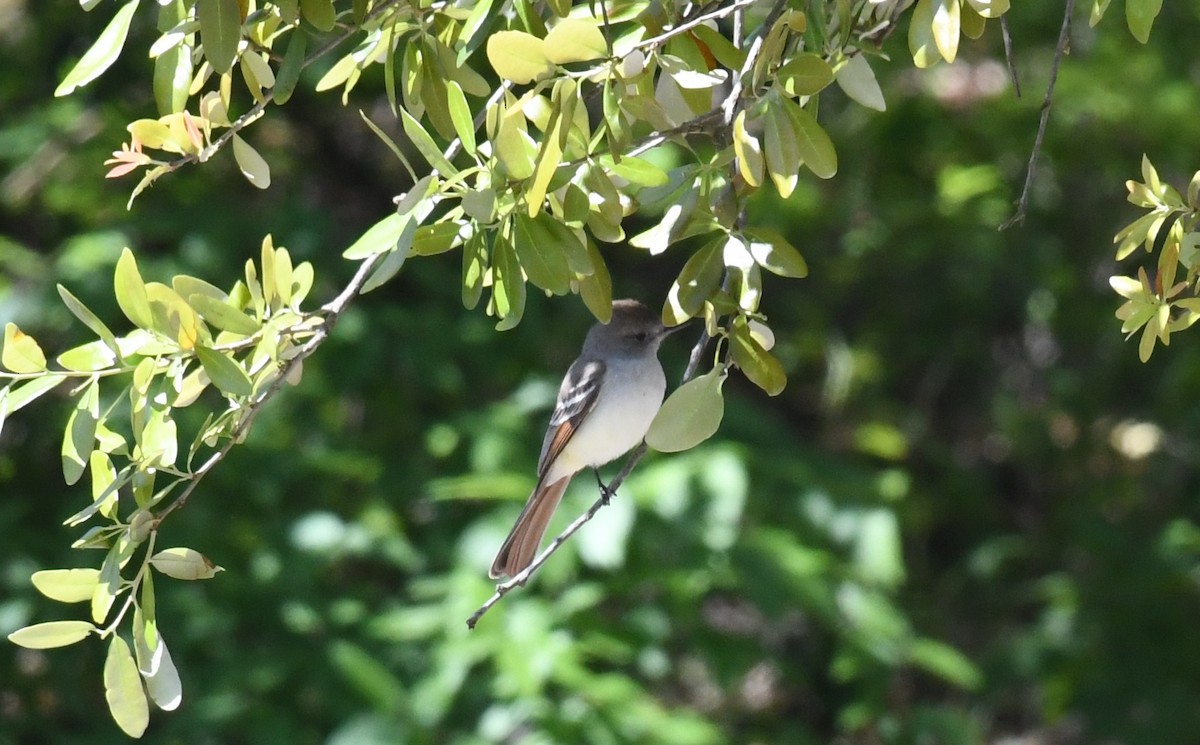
(531, 172)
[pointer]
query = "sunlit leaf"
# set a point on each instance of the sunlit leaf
(690, 415)
(805, 74)
(699, 278)
(946, 27)
(1140, 15)
(508, 284)
(66, 585)
(573, 40)
(518, 56)
(184, 563)
(857, 80)
(251, 164)
(921, 43)
(89, 319)
(544, 262)
(812, 142)
(757, 363)
(426, 146)
(51, 634)
(123, 689)
(130, 291)
(102, 53)
(772, 252)
(21, 353)
(782, 152)
(225, 374)
(320, 13)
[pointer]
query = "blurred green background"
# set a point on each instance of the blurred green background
(971, 517)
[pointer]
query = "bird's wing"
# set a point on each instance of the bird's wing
(576, 399)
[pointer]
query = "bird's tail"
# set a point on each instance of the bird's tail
(522, 543)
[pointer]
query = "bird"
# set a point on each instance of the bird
(604, 408)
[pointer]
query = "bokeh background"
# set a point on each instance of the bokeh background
(971, 517)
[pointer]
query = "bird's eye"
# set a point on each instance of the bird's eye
(640, 335)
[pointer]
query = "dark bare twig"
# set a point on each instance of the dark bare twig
(1009, 57)
(605, 497)
(1064, 40)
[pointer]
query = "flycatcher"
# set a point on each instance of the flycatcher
(605, 405)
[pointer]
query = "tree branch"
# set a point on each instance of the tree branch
(1064, 41)
(630, 463)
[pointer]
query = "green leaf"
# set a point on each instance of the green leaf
(163, 685)
(21, 352)
(28, 392)
(757, 363)
(596, 288)
(51, 634)
(697, 281)
(130, 291)
(635, 170)
(392, 263)
(1140, 15)
(782, 151)
(184, 563)
(102, 53)
(508, 285)
(573, 40)
(223, 315)
(320, 13)
(772, 252)
(748, 151)
(805, 74)
(67, 585)
(946, 27)
(946, 662)
(690, 415)
(543, 262)
(857, 80)
(123, 688)
(105, 591)
(514, 148)
(79, 438)
(430, 240)
(225, 373)
(994, 8)
(426, 146)
(812, 142)
(290, 68)
(518, 57)
(920, 35)
(251, 164)
(89, 319)
(474, 265)
(549, 230)
(380, 237)
(172, 76)
(95, 355)
(220, 32)
(460, 115)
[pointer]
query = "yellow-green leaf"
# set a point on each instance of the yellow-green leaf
(460, 115)
(991, 8)
(508, 285)
(100, 56)
(805, 74)
(574, 40)
(946, 27)
(783, 154)
(812, 142)
(518, 57)
(123, 689)
(691, 414)
(543, 261)
(225, 374)
(223, 315)
(251, 164)
(220, 32)
(426, 146)
(89, 319)
(184, 563)
(320, 13)
(51, 634)
(21, 352)
(66, 585)
(1140, 15)
(921, 43)
(699, 278)
(748, 151)
(289, 69)
(857, 80)
(596, 288)
(759, 365)
(772, 252)
(131, 291)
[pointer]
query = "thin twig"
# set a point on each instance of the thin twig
(1064, 37)
(730, 105)
(1009, 57)
(694, 22)
(630, 463)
